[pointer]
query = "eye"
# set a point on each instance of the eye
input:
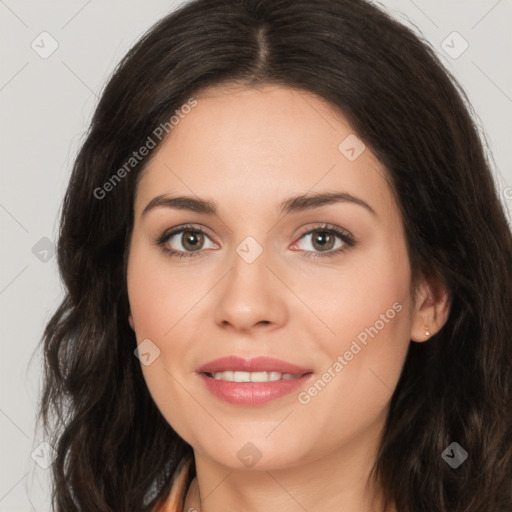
(188, 241)
(321, 241)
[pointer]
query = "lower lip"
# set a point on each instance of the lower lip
(253, 393)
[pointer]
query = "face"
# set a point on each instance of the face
(322, 285)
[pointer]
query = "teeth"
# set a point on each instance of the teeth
(253, 376)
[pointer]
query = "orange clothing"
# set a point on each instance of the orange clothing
(176, 498)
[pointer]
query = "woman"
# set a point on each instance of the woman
(287, 273)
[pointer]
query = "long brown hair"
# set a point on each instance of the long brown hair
(115, 451)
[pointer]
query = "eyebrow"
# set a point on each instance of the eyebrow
(292, 205)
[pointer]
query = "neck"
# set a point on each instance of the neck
(338, 480)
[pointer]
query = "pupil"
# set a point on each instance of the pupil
(322, 239)
(192, 239)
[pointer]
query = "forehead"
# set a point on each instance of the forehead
(256, 145)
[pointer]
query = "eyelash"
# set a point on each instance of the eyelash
(345, 236)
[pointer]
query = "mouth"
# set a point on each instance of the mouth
(256, 365)
(240, 376)
(252, 382)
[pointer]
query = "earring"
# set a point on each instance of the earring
(427, 332)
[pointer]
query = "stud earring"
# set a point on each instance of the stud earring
(427, 332)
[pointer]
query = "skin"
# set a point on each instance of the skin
(249, 149)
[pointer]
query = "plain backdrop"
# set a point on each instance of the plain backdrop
(56, 58)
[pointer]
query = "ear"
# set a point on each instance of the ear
(130, 321)
(432, 308)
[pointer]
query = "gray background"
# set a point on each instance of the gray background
(47, 103)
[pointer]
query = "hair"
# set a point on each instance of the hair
(115, 450)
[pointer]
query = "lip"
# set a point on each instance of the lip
(252, 393)
(257, 364)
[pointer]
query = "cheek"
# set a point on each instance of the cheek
(157, 298)
(367, 310)
(352, 394)
(156, 308)
(365, 297)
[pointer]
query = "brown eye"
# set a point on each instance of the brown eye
(192, 240)
(184, 242)
(323, 240)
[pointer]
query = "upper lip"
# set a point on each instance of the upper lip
(257, 364)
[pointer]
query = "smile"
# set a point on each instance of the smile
(237, 376)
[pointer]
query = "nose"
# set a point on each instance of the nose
(251, 296)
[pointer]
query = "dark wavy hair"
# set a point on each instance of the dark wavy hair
(115, 450)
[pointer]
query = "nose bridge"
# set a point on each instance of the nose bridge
(250, 292)
(249, 277)
(250, 250)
